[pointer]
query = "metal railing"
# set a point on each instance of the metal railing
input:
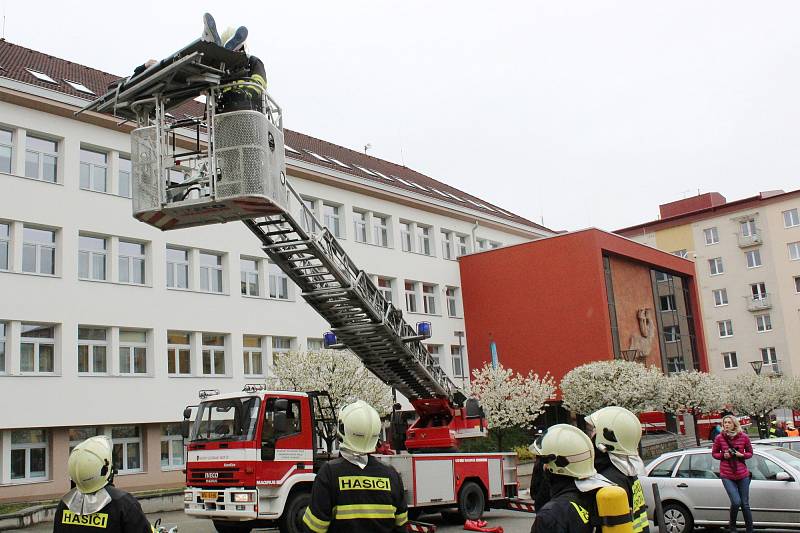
(759, 303)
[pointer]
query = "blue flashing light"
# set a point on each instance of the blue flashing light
(329, 339)
(424, 329)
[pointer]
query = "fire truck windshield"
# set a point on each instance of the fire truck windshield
(231, 419)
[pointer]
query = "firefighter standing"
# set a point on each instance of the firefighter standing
(94, 504)
(568, 455)
(356, 492)
(617, 435)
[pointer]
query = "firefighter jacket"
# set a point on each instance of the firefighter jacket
(122, 514)
(632, 486)
(568, 511)
(348, 498)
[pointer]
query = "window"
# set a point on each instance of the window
(385, 286)
(698, 466)
(330, 217)
(729, 360)
(5, 239)
(411, 296)
(124, 177)
(280, 345)
(672, 334)
(6, 145)
(675, 365)
(213, 354)
(94, 170)
(380, 230)
(315, 345)
(405, 237)
(661, 276)
(451, 293)
(92, 258)
(758, 290)
(482, 244)
(127, 452)
(720, 297)
(763, 469)
(253, 356)
(711, 235)
(797, 284)
(794, 251)
(38, 251)
(463, 245)
(753, 258)
(41, 76)
(436, 352)
(360, 226)
(171, 446)
(668, 303)
(790, 217)
(41, 159)
(665, 468)
(179, 350)
(725, 328)
(424, 239)
(748, 227)
(250, 282)
(2, 347)
(37, 348)
(429, 298)
(307, 211)
(92, 350)
(458, 362)
(278, 283)
(763, 323)
(177, 268)
(770, 357)
(210, 272)
(28, 455)
(715, 266)
(681, 253)
(131, 262)
(132, 352)
(78, 435)
(447, 245)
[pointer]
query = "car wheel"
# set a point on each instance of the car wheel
(677, 519)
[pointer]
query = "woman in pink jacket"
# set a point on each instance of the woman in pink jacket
(732, 447)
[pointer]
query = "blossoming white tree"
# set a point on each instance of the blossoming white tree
(757, 396)
(586, 388)
(695, 393)
(509, 398)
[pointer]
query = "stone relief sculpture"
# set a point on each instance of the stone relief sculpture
(643, 341)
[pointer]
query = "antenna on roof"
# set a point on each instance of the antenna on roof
(402, 157)
(367, 147)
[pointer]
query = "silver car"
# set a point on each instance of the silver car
(793, 443)
(692, 493)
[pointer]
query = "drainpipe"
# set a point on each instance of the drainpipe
(474, 240)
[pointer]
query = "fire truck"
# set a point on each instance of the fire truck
(253, 455)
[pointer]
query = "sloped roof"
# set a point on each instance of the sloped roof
(15, 61)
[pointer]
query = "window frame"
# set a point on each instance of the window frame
(458, 371)
(671, 303)
(763, 323)
(276, 289)
(716, 266)
(407, 236)
(28, 448)
(131, 347)
(124, 442)
(173, 265)
(209, 353)
(722, 292)
(38, 247)
(251, 354)
(410, 296)
(424, 239)
(40, 156)
(3, 343)
(132, 261)
(380, 230)
(672, 334)
(360, 220)
(754, 255)
(171, 440)
(37, 343)
(93, 169)
(333, 218)
(793, 218)
(794, 251)
(129, 177)
(90, 345)
(747, 227)
(712, 232)
(246, 276)
(730, 360)
(448, 246)
(212, 273)
(728, 329)
(429, 298)
(176, 350)
(10, 146)
(796, 284)
(758, 295)
(451, 295)
(5, 242)
(462, 245)
(386, 290)
(91, 255)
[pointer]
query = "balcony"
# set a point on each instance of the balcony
(761, 303)
(753, 239)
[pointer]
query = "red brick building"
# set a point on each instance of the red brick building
(556, 303)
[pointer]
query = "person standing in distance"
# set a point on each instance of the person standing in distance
(357, 493)
(568, 457)
(617, 433)
(732, 447)
(94, 503)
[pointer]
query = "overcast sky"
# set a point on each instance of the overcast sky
(585, 113)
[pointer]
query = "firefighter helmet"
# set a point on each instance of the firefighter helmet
(89, 464)
(567, 451)
(359, 427)
(617, 430)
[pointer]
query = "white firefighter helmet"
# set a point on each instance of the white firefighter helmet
(89, 464)
(359, 427)
(567, 451)
(617, 430)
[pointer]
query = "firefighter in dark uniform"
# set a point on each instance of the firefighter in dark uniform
(568, 457)
(95, 505)
(247, 93)
(617, 433)
(357, 493)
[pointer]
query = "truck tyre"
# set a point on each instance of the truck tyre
(291, 520)
(232, 527)
(471, 501)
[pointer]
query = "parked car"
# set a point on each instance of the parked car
(692, 493)
(793, 443)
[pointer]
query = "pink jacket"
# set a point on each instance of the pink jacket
(732, 468)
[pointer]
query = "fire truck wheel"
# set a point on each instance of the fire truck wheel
(292, 519)
(471, 501)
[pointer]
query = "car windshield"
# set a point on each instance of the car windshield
(231, 419)
(790, 457)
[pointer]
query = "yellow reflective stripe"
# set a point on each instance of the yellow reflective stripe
(640, 523)
(258, 79)
(315, 524)
(400, 519)
(363, 510)
(583, 513)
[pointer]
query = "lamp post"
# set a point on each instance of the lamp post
(763, 431)
(757, 365)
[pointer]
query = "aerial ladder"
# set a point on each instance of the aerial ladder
(226, 166)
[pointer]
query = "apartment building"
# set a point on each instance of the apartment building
(747, 255)
(108, 326)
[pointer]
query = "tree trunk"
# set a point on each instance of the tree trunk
(696, 432)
